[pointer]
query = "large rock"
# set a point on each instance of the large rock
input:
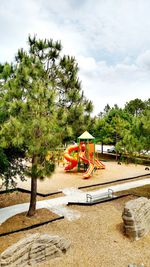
(34, 249)
(136, 217)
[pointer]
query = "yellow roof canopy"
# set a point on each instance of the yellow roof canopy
(86, 135)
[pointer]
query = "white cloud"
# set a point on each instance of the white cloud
(111, 24)
(143, 60)
(115, 84)
(110, 39)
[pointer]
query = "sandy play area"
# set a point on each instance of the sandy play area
(97, 236)
(61, 179)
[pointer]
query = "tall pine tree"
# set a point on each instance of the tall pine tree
(38, 93)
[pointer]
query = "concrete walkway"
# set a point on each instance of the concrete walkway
(58, 205)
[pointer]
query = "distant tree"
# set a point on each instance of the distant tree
(147, 104)
(100, 115)
(137, 137)
(128, 129)
(135, 107)
(101, 130)
(118, 120)
(110, 129)
(78, 119)
(144, 130)
(107, 109)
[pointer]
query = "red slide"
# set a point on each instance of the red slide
(72, 161)
(90, 169)
(99, 164)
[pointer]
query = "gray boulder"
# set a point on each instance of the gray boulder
(136, 217)
(34, 249)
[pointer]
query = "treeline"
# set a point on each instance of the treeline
(127, 128)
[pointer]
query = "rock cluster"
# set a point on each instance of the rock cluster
(34, 249)
(136, 217)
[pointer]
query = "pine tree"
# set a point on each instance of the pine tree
(38, 93)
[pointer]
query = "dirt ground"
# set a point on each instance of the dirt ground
(14, 198)
(61, 179)
(20, 221)
(97, 238)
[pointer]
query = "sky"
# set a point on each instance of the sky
(110, 40)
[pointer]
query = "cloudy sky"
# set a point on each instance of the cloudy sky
(109, 38)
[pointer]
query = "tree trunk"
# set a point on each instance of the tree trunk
(102, 148)
(32, 207)
(116, 150)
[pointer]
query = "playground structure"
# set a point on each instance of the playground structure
(83, 154)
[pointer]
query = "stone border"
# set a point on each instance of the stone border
(31, 227)
(22, 190)
(115, 181)
(99, 201)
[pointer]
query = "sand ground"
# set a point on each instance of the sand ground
(97, 237)
(61, 179)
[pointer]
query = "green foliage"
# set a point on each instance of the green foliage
(135, 107)
(110, 128)
(41, 103)
(128, 129)
(12, 164)
(10, 174)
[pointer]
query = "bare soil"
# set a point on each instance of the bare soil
(15, 198)
(21, 220)
(97, 237)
